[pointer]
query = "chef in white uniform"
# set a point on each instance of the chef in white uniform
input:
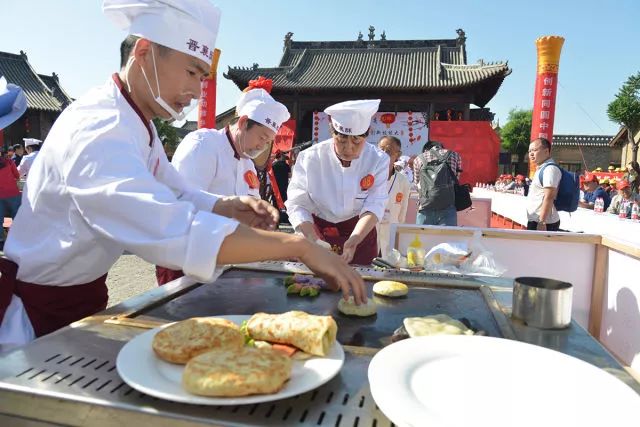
(32, 146)
(398, 189)
(338, 189)
(220, 161)
(102, 184)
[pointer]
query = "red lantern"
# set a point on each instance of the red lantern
(388, 119)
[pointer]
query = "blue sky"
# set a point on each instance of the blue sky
(72, 38)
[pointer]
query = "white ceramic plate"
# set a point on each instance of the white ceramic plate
(483, 381)
(139, 367)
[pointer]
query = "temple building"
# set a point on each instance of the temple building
(429, 81)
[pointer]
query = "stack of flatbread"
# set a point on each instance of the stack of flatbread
(218, 363)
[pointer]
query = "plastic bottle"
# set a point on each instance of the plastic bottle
(623, 210)
(415, 253)
(635, 211)
(599, 205)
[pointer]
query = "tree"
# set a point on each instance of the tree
(168, 135)
(516, 134)
(625, 110)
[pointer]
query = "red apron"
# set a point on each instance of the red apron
(337, 234)
(166, 275)
(51, 307)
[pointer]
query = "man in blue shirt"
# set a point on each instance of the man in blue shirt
(592, 192)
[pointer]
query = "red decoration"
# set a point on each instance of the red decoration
(367, 182)
(399, 197)
(388, 119)
(251, 179)
(207, 105)
(260, 83)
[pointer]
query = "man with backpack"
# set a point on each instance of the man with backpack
(541, 211)
(436, 172)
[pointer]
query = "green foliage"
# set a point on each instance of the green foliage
(168, 135)
(516, 133)
(625, 108)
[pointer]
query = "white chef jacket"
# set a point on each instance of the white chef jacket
(206, 159)
(321, 186)
(26, 163)
(398, 189)
(102, 185)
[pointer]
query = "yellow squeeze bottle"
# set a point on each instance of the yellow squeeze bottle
(415, 253)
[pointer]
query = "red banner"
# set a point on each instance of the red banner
(283, 142)
(544, 106)
(284, 138)
(207, 105)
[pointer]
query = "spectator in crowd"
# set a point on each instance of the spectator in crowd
(398, 188)
(33, 148)
(521, 182)
(18, 154)
(541, 212)
(509, 183)
(593, 192)
(437, 198)
(633, 176)
(10, 153)
(623, 199)
(9, 192)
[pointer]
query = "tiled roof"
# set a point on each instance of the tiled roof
(582, 140)
(400, 65)
(17, 70)
(53, 83)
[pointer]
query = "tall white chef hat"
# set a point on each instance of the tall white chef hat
(259, 106)
(188, 26)
(353, 117)
(13, 103)
(31, 141)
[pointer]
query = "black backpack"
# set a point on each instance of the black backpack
(437, 183)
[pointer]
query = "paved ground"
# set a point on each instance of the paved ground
(129, 276)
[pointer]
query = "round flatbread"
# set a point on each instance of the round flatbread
(184, 340)
(240, 372)
(438, 324)
(349, 307)
(388, 288)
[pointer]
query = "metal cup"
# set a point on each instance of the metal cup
(542, 303)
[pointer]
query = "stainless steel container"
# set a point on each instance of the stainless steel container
(542, 303)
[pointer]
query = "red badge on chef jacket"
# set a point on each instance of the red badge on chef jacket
(399, 197)
(331, 232)
(367, 182)
(251, 179)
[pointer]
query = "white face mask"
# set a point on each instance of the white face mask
(178, 116)
(252, 154)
